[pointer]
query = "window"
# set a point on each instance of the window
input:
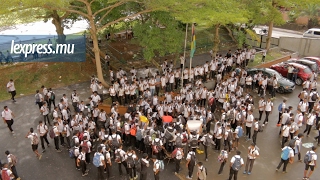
(309, 32)
(317, 33)
(307, 70)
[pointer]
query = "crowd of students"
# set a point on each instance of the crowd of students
(164, 121)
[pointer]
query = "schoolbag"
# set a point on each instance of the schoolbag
(85, 147)
(96, 159)
(51, 133)
(280, 107)
(193, 158)
(178, 141)
(35, 139)
(114, 141)
(205, 169)
(53, 96)
(308, 157)
(230, 135)
(138, 166)
(156, 147)
(139, 135)
(168, 135)
(4, 175)
(118, 157)
(314, 97)
(285, 153)
(236, 164)
(161, 165)
(207, 141)
(240, 131)
(174, 153)
(221, 156)
(194, 141)
(14, 159)
(133, 130)
(146, 140)
(71, 152)
(37, 97)
(130, 161)
(184, 138)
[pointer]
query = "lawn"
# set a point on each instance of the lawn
(29, 77)
(270, 57)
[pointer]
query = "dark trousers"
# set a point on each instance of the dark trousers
(44, 119)
(221, 166)
(13, 94)
(39, 104)
(205, 151)
(143, 175)
(254, 137)
(157, 176)
(83, 165)
(280, 114)
(44, 137)
(108, 170)
(318, 137)
(88, 157)
(9, 124)
(285, 163)
(120, 168)
(61, 140)
(51, 102)
(56, 142)
(100, 173)
(248, 132)
(177, 161)
(308, 128)
(14, 172)
(284, 140)
(249, 163)
(190, 169)
(218, 144)
(260, 115)
(311, 104)
(267, 117)
(132, 172)
(227, 144)
(233, 174)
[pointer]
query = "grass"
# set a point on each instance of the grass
(270, 57)
(28, 77)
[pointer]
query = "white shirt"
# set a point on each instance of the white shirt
(268, 106)
(285, 131)
(31, 136)
(249, 120)
(234, 158)
(42, 129)
(7, 114)
(313, 158)
(253, 153)
(10, 86)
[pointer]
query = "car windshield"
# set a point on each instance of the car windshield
(272, 72)
(307, 70)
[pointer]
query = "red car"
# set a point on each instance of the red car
(314, 59)
(303, 73)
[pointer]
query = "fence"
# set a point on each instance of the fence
(262, 42)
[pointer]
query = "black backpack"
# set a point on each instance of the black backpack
(168, 135)
(114, 141)
(193, 159)
(130, 161)
(194, 141)
(314, 97)
(146, 140)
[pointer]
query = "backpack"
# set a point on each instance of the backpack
(207, 141)
(292, 142)
(230, 136)
(174, 153)
(51, 133)
(118, 157)
(146, 140)
(280, 107)
(194, 141)
(53, 96)
(96, 160)
(285, 153)
(130, 161)
(301, 95)
(236, 164)
(178, 141)
(71, 153)
(4, 175)
(314, 97)
(193, 158)
(161, 165)
(221, 156)
(81, 136)
(37, 97)
(240, 131)
(85, 147)
(205, 169)
(184, 139)
(168, 135)
(35, 139)
(138, 166)
(133, 130)
(114, 141)
(308, 157)
(14, 159)
(139, 135)
(156, 147)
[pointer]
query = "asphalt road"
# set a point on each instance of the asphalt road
(278, 32)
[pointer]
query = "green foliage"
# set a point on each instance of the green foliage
(159, 34)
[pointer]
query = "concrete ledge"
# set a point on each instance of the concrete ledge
(268, 64)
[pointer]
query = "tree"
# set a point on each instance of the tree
(312, 12)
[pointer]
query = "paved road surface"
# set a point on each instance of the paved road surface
(277, 32)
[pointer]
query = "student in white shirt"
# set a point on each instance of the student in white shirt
(34, 142)
(253, 153)
(7, 116)
(268, 109)
(312, 164)
(249, 123)
(43, 131)
(234, 172)
(286, 160)
(311, 120)
(11, 89)
(285, 133)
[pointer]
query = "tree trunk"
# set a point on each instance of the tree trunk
(269, 35)
(96, 51)
(231, 34)
(216, 39)
(57, 22)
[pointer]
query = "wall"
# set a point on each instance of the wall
(257, 42)
(305, 46)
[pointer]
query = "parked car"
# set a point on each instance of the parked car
(312, 33)
(304, 72)
(314, 59)
(312, 65)
(285, 85)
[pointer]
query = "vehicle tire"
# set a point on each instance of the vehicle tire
(281, 90)
(299, 81)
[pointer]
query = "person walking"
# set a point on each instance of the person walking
(12, 162)
(144, 166)
(236, 163)
(102, 164)
(11, 89)
(223, 157)
(285, 133)
(178, 157)
(202, 171)
(310, 122)
(268, 109)
(43, 131)
(156, 167)
(297, 145)
(81, 162)
(287, 155)
(131, 158)
(281, 108)
(311, 163)
(249, 123)
(253, 153)
(34, 142)
(39, 98)
(7, 116)
(56, 136)
(45, 112)
(191, 162)
(206, 140)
